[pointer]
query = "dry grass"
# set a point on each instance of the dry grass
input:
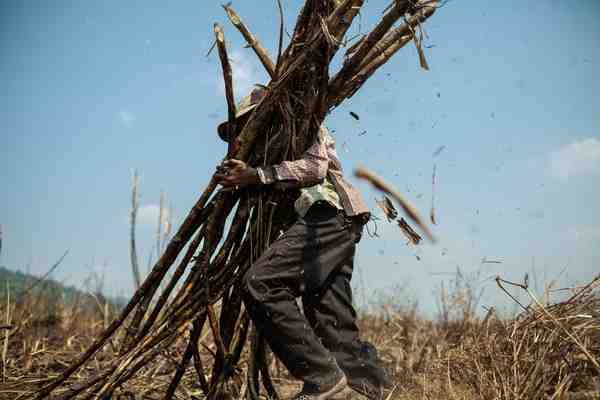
(547, 352)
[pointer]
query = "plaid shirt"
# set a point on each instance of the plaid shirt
(319, 161)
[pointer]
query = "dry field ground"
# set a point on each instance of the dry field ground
(549, 351)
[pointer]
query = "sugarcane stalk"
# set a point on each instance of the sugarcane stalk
(144, 304)
(260, 116)
(230, 313)
(351, 86)
(187, 356)
(123, 373)
(225, 370)
(253, 368)
(235, 353)
(316, 38)
(423, 12)
(262, 113)
(263, 366)
(74, 389)
(214, 231)
(164, 297)
(234, 236)
(350, 66)
(301, 28)
(78, 388)
(378, 56)
(342, 17)
(228, 81)
(175, 246)
(214, 327)
(220, 283)
(198, 366)
(125, 366)
(260, 51)
(230, 309)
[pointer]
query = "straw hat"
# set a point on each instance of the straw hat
(247, 104)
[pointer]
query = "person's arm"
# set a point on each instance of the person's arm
(308, 170)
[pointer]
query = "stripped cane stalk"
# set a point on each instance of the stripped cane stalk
(228, 80)
(261, 115)
(343, 16)
(261, 355)
(235, 234)
(336, 26)
(280, 45)
(214, 231)
(379, 55)
(228, 328)
(108, 372)
(177, 243)
(351, 86)
(79, 387)
(253, 368)
(164, 297)
(127, 365)
(260, 51)
(187, 356)
(123, 374)
(214, 327)
(235, 352)
(134, 326)
(197, 359)
(424, 11)
(351, 64)
(348, 10)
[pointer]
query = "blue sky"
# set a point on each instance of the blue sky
(93, 90)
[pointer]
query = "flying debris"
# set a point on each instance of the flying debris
(388, 208)
(438, 151)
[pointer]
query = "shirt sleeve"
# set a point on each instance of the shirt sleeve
(310, 169)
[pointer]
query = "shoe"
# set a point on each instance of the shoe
(370, 378)
(323, 393)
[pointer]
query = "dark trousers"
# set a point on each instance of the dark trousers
(314, 260)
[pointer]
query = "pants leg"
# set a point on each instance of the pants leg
(298, 263)
(333, 318)
(313, 259)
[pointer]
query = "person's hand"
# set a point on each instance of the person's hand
(235, 172)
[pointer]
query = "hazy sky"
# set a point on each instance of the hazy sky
(92, 90)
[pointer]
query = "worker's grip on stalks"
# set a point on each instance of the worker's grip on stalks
(234, 172)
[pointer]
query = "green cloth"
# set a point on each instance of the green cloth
(324, 191)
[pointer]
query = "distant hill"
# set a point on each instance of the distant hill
(18, 283)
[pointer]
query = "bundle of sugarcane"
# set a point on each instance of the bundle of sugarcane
(298, 98)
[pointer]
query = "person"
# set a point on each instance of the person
(313, 260)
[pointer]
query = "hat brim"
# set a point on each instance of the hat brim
(223, 127)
